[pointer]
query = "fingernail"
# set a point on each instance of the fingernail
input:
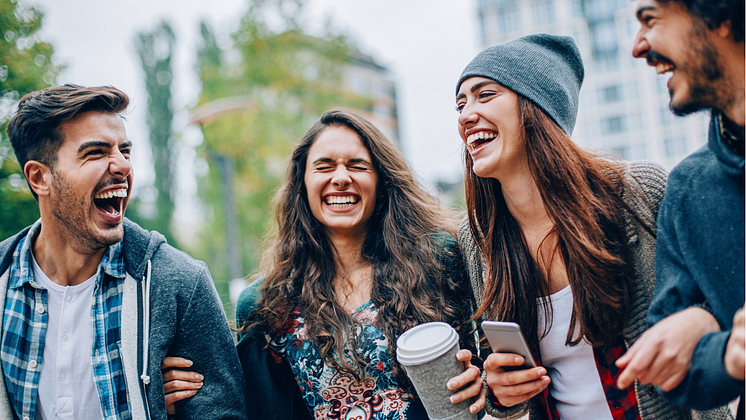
(472, 410)
(200, 385)
(517, 359)
(542, 371)
(198, 376)
(451, 384)
(453, 399)
(189, 362)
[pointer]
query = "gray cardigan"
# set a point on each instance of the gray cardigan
(169, 308)
(642, 190)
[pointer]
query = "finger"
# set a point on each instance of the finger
(179, 395)
(496, 361)
(673, 381)
(517, 377)
(480, 402)
(175, 386)
(463, 355)
(471, 374)
(173, 362)
(635, 367)
(630, 354)
(520, 393)
(470, 391)
(182, 375)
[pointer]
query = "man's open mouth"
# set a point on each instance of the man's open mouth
(111, 202)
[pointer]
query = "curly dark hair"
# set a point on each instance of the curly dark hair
(413, 281)
(715, 12)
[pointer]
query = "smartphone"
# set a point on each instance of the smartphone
(506, 337)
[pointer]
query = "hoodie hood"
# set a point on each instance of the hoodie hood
(139, 245)
(730, 163)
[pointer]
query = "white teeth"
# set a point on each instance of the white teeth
(340, 200)
(110, 194)
(482, 135)
(661, 68)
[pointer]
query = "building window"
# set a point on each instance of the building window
(622, 151)
(666, 116)
(609, 94)
(576, 8)
(613, 125)
(544, 13)
(604, 36)
(599, 9)
(508, 20)
(674, 146)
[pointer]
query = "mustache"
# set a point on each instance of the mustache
(656, 57)
(109, 182)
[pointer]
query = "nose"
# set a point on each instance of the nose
(120, 165)
(640, 46)
(341, 178)
(468, 116)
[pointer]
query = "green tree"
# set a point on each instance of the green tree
(26, 65)
(155, 49)
(289, 78)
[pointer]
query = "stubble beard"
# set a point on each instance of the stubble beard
(70, 211)
(706, 84)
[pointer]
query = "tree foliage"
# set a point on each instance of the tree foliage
(26, 65)
(289, 78)
(155, 48)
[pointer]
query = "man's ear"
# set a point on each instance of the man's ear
(724, 30)
(39, 177)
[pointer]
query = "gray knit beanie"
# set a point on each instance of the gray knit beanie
(547, 69)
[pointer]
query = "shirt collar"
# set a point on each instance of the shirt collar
(22, 271)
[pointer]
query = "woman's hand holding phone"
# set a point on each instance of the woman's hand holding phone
(514, 386)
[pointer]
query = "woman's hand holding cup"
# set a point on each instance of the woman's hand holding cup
(513, 387)
(469, 383)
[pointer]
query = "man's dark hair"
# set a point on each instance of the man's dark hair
(715, 12)
(34, 129)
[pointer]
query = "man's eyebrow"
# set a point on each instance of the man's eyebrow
(642, 10)
(94, 143)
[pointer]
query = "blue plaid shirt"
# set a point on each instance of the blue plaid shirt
(25, 327)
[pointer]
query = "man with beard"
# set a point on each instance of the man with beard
(694, 350)
(92, 302)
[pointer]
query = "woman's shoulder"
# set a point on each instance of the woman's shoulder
(248, 300)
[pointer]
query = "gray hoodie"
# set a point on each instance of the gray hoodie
(169, 308)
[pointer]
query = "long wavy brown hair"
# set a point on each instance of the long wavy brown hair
(412, 282)
(582, 195)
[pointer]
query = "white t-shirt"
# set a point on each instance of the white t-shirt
(576, 384)
(66, 387)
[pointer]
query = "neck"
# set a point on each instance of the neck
(348, 251)
(62, 260)
(524, 201)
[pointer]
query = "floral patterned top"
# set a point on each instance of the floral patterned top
(334, 395)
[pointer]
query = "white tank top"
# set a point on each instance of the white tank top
(66, 387)
(576, 384)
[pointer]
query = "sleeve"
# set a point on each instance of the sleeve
(204, 337)
(707, 384)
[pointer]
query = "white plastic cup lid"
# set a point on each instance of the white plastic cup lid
(425, 342)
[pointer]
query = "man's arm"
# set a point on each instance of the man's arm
(203, 337)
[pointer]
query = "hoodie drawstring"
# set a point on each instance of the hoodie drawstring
(146, 325)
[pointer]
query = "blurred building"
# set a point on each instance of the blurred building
(367, 78)
(623, 102)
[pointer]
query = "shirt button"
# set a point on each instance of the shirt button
(26, 418)
(64, 337)
(32, 364)
(63, 377)
(40, 309)
(69, 299)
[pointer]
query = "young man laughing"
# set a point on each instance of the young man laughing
(92, 302)
(694, 350)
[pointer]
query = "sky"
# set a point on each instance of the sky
(424, 43)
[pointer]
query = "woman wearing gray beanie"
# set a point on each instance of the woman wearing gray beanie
(558, 240)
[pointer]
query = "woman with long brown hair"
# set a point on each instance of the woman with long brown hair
(361, 253)
(558, 240)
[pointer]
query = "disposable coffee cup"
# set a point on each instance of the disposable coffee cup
(428, 353)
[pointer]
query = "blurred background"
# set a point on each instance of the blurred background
(222, 90)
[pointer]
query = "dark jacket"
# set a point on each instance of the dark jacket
(184, 318)
(272, 391)
(700, 261)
